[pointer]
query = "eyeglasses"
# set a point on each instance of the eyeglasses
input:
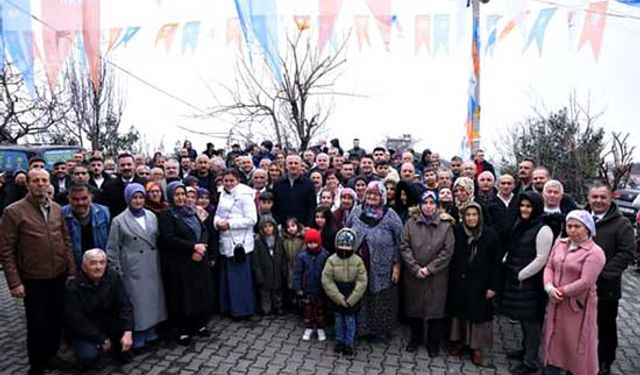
(155, 192)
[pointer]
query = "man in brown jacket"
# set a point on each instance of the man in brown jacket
(35, 251)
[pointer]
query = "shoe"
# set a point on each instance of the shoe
(516, 354)
(476, 357)
(455, 349)
(348, 352)
(203, 332)
(57, 363)
(321, 335)
(139, 351)
(605, 369)
(338, 348)
(184, 340)
(433, 351)
(523, 369)
(412, 347)
(306, 336)
(123, 357)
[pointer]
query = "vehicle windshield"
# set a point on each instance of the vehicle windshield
(11, 160)
(53, 156)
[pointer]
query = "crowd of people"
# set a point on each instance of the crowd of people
(122, 252)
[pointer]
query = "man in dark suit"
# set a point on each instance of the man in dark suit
(294, 195)
(113, 190)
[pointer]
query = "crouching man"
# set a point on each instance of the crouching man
(98, 312)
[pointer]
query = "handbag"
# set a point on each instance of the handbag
(239, 255)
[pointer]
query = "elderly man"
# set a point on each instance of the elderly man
(468, 170)
(36, 253)
(172, 170)
(88, 222)
(98, 312)
(322, 164)
(614, 234)
(407, 172)
(554, 215)
(539, 177)
(445, 178)
(294, 196)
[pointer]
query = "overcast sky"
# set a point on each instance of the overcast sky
(397, 91)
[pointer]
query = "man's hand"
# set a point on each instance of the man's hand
(490, 294)
(200, 248)
(196, 257)
(126, 341)
(395, 273)
(18, 292)
(106, 346)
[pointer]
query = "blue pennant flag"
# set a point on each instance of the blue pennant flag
(539, 28)
(492, 29)
(128, 35)
(440, 33)
(190, 33)
(633, 3)
(18, 38)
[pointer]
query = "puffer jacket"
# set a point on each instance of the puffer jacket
(238, 208)
(344, 280)
(308, 271)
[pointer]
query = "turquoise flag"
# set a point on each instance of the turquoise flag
(190, 33)
(18, 38)
(440, 32)
(539, 28)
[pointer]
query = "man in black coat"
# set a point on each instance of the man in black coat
(98, 312)
(114, 188)
(614, 234)
(294, 195)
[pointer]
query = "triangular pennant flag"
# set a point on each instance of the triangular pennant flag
(18, 38)
(492, 29)
(539, 28)
(190, 32)
(362, 30)
(91, 39)
(166, 33)
(381, 10)
(128, 35)
(422, 34)
(233, 32)
(440, 33)
(515, 21)
(64, 19)
(114, 34)
(302, 22)
(594, 25)
(329, 11)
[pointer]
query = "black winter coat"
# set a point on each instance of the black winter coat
(469, 279)
(113, 194)
(188, 284)
(97, 312)
(614, 234)
(268, 270)
(298, 201)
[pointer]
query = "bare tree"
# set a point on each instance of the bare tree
(616, 163)
(24, 113)
(293, 106)
(96, 110)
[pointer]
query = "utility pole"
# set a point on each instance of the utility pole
(474, 141)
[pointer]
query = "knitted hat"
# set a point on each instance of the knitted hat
(584, 218)
(312, 235)
(131, 189)
(346, 237)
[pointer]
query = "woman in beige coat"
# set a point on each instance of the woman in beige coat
(427, 247)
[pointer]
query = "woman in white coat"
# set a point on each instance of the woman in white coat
(133, 254)
(235, 218)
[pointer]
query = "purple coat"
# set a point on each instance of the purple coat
(571, 328)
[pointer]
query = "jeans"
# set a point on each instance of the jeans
(88, 352)
(141, 338)
(345, 328)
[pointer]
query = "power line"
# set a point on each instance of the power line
(116, 66)
(587, 10)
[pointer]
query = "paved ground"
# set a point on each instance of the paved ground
(274, 346)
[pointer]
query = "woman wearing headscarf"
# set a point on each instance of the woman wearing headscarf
(235, 217)
(185, 266)
(523, 296)
(407, 198)
(379, 229)
(463, 194)
(427, 246)
(155, 201)
(132, 253)
(473, 282)
(348, 200)
(571, 324)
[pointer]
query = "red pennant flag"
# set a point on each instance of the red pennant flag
(423, 32)
(166, 33)
(515, 21)
(381, 10)
(233, 31)
(65, 19)
(329, 11)
(91, 38)
(593, 28)
(362, 30)
(114, 35)
(302, 22)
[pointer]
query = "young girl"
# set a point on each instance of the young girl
(344, 280)
(307, 283)
(293, 242)
(325, 198)
(269, 266)
(324, 222)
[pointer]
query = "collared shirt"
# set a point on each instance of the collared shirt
(99, 180)
(552, 210)
(44, 208)
(506, 201)
(597, 217)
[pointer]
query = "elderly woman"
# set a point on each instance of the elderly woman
(427, 246)
(523, 297)
(473, 282)
(185, 266)
(347, 201)
(155, 201)
(379, 227)
(571, 329)
(132, 253)
(235, 217)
